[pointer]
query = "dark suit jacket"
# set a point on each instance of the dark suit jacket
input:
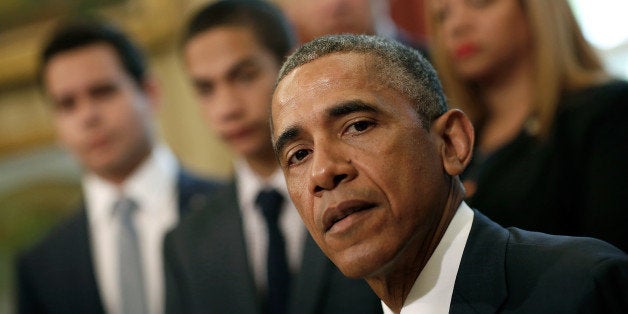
(207, 270)
(57, 275)
(516, 271)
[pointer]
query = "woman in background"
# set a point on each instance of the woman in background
(551, 124)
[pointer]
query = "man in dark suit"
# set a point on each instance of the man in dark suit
(108, 256)
(233, 258)
(371, 157)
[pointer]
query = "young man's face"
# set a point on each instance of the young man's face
(234, 76)
(367, 178)
(100, 113)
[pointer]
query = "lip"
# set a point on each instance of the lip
(465, 50)
(342, 211)
(98, 142)
(237, 134)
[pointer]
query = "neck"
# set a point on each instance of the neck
(118, 174)
(509, 99)
(393, 284)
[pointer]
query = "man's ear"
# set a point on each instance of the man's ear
(151, 89)
(456, 132)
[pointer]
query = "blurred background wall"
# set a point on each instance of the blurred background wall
(39, 182)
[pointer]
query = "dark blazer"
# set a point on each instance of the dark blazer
(574, 181)
(207, 270)
(516, 271)
(57, 275)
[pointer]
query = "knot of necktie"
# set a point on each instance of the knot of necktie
(124, 207)
(270, 202)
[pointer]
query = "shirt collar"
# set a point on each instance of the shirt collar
(250, 183)
(147, 185)
(433, 288)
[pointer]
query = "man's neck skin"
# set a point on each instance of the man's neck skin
(393, 284)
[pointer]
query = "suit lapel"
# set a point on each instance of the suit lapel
(481, 281)
(83, 271)
(193, 193)
(225, 264)
(310, 283)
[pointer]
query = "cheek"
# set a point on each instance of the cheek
(208, 115)
(67, 133)
(303, 200)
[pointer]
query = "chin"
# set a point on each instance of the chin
(359, 263)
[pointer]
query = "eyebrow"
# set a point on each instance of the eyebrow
(248, 61)
(348, 107)
(341, 109)
(285, 137)
(232, 71)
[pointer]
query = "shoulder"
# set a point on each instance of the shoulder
(586, 251)
(194, 192)
(569, 271)
(593, 116)
(187, 181)
(591, 104)
(61, 238)
(536, 272)
(212, 205)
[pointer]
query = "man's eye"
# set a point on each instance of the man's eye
(298, 156)
(64, 105)
(246, 75)
(360, 126)
(204, 90)
(104, 91)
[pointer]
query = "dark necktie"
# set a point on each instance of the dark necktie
(132, 299)
(276, 263)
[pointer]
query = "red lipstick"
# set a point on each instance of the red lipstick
(465, 50)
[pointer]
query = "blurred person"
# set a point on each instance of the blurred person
(232, 257)
(315, 18)
(108, 256)
(551, 136)
(372, 157)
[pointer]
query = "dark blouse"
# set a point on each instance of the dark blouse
(574, 182)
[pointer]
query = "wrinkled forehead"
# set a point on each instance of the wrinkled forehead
(319, 81)
(318, 73)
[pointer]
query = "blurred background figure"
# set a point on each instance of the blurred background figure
(107, 257)
(551, 136)
(249, 251)
(314, 18)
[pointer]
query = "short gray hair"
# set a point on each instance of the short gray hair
(395, 65)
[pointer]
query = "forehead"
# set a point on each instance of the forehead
(221, 46)
(82, 66)
(336, 73)
(310, 89)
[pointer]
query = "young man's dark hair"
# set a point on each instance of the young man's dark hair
(77, 33)
(263, 18)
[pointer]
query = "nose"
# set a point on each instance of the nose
(458, 20)
(88, 112)
(330, 167)
(228, 105)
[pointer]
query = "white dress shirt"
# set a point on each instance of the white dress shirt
(433, 288)
(153, 186)
(249, 184)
